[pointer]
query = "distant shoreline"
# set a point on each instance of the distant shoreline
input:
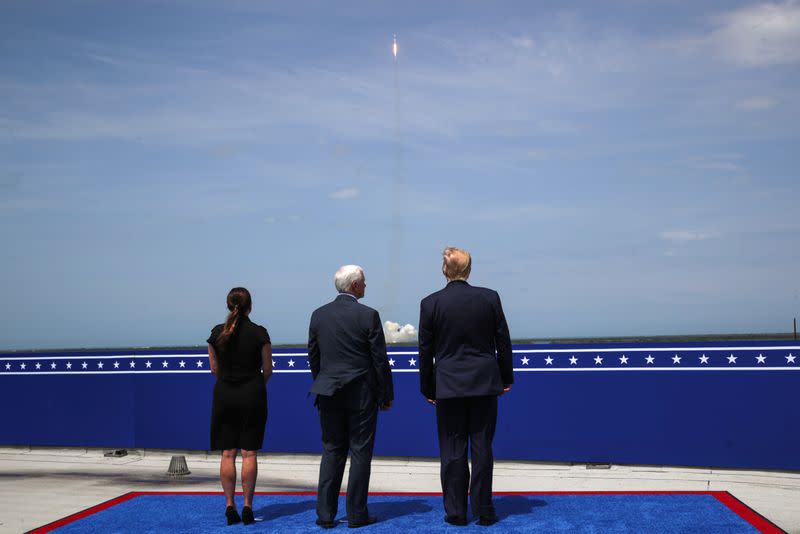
(521, 341)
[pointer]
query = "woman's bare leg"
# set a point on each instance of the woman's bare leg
(227, 474)
(249, 474)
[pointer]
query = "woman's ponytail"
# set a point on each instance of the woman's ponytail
(239, 304)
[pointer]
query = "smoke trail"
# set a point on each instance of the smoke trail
(396, 240)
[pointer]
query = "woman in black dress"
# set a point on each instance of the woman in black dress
(240, 356)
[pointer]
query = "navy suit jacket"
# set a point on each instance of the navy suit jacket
(464, 344)
(345, 341)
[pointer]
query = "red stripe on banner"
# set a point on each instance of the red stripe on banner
(748, 514)
(84, 513)
(506, 493)
(157, 493)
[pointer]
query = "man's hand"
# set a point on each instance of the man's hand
(506, 389)
(386, 405)
(431, 401)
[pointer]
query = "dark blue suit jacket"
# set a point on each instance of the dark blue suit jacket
(345, 341)
(464, 344)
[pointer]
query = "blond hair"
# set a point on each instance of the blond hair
(456, 263)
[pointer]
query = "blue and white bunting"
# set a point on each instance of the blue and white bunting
(406, 360)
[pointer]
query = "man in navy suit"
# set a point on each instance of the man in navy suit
(352, 379)
(464, 365)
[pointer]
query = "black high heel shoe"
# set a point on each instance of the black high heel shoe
(232, 515)
(247, 516)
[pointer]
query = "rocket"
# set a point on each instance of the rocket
(394, 46)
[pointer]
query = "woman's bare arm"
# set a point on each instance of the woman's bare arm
(266, 361)
(212, 359)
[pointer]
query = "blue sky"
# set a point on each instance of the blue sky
(624, 169)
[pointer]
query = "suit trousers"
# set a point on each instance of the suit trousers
(348, 419)
(462, 421)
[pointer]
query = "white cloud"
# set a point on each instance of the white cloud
(759, 35)
(731, 163)
(755, 104)
(522, 42)
(763, 34)
(719, 166)
(345, 194)
(395, 333)
(686, 236)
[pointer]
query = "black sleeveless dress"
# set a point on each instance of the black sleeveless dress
(239, 406)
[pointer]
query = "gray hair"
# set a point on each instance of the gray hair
(346, 275)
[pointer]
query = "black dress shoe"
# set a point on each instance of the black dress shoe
(371, 520)
(487, 520)
(247, 516)
(456, 520)
(326, 524)
(232, 515)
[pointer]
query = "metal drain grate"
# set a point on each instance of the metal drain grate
(178, 467)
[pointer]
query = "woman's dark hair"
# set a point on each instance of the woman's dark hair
(239, 305)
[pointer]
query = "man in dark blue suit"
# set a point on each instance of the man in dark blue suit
(464, 365)
(352, 379)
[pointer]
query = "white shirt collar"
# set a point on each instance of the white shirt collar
(350, 295)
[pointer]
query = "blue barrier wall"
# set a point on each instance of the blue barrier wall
(731, 404)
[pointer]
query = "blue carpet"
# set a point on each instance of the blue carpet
(590, 513)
